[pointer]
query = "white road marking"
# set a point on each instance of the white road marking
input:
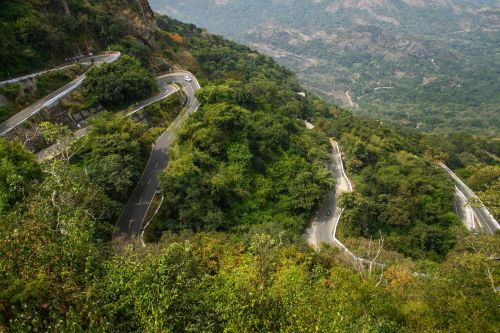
(58, 96)
(477, 210)
(78, 80)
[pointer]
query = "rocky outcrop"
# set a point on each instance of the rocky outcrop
(147, 12)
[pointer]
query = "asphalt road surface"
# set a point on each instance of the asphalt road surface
(324, 226)
(464, 210)
(482, 216)
(52, 98)
(132, 218)
(165, 90)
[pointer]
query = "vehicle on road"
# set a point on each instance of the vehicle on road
(187, 78)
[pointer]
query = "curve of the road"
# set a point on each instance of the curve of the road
(324, 225)
(474, 215)
(165, 90)
(131, 221)
(323, 229)
(55, 96)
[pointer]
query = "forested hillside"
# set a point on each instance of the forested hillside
(41, 34)
(431, 65)
(225, 251)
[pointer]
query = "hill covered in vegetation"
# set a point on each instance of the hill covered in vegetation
(41, 34)
(226, 250)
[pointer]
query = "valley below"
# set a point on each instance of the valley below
(432, 53)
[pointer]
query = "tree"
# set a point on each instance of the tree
(134, 47)
(49, 248)
(119, 83)
(60, 138)
(18, 169)
(112, 153)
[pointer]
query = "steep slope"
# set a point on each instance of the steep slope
(41, 34)
(244, 163)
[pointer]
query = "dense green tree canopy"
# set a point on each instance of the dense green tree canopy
(119, 83)
(235, 165)
(18, 168)
(245, 164)
(112, 154)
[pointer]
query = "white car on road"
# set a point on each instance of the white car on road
(187, 78)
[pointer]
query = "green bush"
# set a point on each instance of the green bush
(11, 91)
(17, 169)
(119, 83)
(134, 47)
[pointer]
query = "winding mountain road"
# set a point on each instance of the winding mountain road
(323, 229)
(130, 222)
(324, 225)
(132, 218)
(474, 215)
(166, 89)
(54, 97)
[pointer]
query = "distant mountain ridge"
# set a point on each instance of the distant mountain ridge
(465, 14)
(441, 57)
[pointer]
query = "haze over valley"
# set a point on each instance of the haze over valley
(432, 65)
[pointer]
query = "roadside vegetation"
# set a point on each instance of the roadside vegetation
(19, 96)
(226, 250)
(117, 84)
(398, 193)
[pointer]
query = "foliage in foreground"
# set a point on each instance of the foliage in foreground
(18, 169)
(212, 282)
